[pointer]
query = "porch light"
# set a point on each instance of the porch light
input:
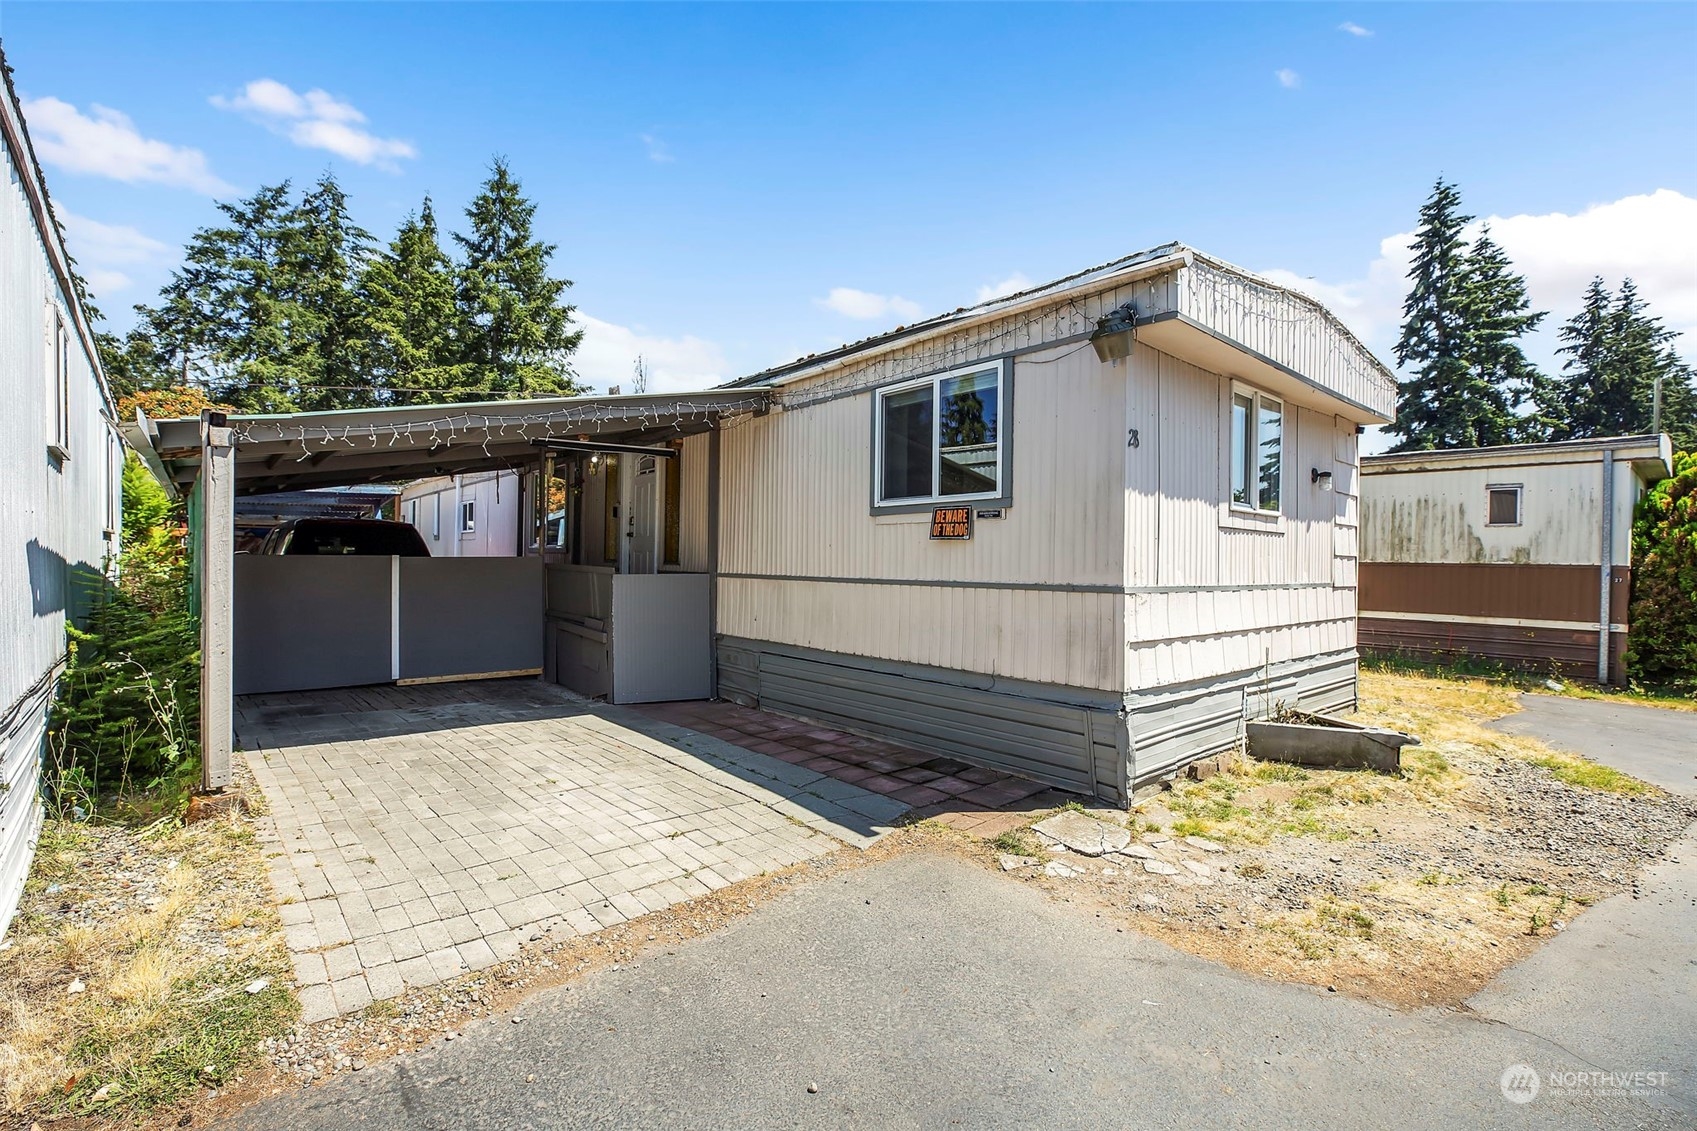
(1115, 332)
(1323, 478)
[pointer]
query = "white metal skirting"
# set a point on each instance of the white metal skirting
(20, 804)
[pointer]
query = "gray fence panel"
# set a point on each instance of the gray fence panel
(310, 622)
(469, 616)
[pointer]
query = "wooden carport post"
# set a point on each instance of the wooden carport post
(215, 558)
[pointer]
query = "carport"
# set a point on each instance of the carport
(610, 594)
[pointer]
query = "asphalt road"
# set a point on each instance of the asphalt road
(1653, 743)
(926, 992)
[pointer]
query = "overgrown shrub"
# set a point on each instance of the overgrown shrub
(129, 703)
(1662, 649)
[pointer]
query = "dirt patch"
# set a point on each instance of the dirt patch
(1414, 890)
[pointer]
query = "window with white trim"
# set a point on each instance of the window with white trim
(1502, 505)
(941, 438)
(1257, 450)
(468, 517)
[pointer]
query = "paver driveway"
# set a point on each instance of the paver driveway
(422, 832)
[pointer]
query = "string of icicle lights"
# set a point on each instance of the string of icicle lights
(486, 428)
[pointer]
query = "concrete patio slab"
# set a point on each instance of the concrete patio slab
(422, 832)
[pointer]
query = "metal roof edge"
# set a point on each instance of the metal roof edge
(381, 413)
(1648, 447)
(1151, 261)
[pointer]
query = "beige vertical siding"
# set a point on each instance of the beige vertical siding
(692, 499)
(1184, 590)
(1211, 593)
(796, 504)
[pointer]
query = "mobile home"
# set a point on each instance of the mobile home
(1081, 533)
(60, 467)
(1520, 554)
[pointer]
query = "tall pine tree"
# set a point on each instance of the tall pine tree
(409, 321)
(1616, 350)
(519, 334)
(1465, 313)
(1497, 316)
(262, 313)
(326, 253)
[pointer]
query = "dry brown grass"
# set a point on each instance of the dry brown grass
(1450, 716)
(164, 929)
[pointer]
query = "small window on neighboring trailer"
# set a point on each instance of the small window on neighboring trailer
(1503, 506)
(468, 517)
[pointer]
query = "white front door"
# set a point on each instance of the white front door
(643, 532)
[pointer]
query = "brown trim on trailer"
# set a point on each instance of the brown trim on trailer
(1489, 589)
(1569, 652)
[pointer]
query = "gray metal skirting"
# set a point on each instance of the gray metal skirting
(1172, 726)
(1066, 737)
(1086, 741)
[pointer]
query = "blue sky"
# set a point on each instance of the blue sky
(734, 186)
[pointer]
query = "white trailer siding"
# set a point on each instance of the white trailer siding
(58, 512)
(434, 507)
(1439, 515)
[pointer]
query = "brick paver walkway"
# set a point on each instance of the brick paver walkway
(970, 798)
(422, 832)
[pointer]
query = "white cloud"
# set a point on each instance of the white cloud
(865, 305)
(657, 150)
(102, 251)
(316, 119)
(608, 353)
(1011, 285)
(106, 143)
(1650, 238)
(1355, 29)
(1288, 78)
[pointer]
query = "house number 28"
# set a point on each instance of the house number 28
(1131, 440)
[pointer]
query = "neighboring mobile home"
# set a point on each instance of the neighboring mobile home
(60, 464)
(467, 516)
(1082, 532)
(1521, 554)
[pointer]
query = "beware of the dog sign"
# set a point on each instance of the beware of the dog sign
(951, 523)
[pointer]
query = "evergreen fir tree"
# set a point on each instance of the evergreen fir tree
(1497, 315)
(1615, 352)
(518, 330)
(230, 317)
(262, 312)
(1462, 320)
(325, 253)
(409, 320)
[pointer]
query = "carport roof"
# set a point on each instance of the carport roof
(370, 445)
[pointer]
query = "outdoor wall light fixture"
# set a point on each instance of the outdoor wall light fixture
(1323, 478)
(1115, 332)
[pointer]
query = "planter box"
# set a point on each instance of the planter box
(1323, 742)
